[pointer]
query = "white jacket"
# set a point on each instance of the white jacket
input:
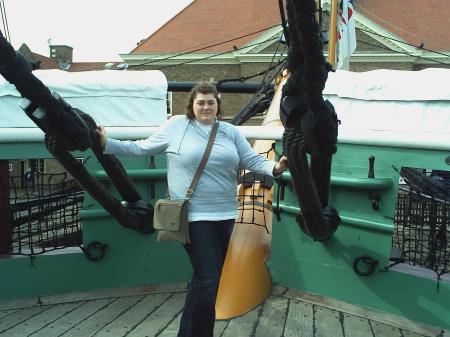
(184, 143)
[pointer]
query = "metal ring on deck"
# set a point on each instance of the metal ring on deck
(372, 263)
(95, 250)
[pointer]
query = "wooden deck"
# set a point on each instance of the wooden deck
(155, 311)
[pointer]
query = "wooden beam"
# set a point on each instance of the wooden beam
(319, 8)
(333, 33)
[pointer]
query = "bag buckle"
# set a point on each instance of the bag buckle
(189, 193)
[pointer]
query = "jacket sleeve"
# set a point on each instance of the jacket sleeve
(154, 144)
(251, 160)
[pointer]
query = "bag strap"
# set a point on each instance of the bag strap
(202, 164)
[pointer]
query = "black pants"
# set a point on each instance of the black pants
(207, 251)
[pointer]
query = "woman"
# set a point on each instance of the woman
(213, 205)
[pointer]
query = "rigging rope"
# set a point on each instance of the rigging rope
(402, 52)
(310, 122)
(404, 42)
(260, 102)
(217, 54)
(4, 19)
(202, 48)
(67, 129)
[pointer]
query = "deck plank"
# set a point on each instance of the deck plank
(272, 319)
(101, 318)
(244, 325)
(355, 326)
(372, 314)
(278, 290)
(411, 334)
(133, 316)
(156, 311)
(384, 330)
(4, 313)
(161, 318)
(41, 320)
(299, 322)
(172, 328)
(219, 327)
(68, 321)
(19, 317)
(327, 322)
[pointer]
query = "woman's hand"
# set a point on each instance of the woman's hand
(102, 136)
(281, 166)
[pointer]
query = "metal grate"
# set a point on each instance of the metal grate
(422, 223)
(43, 214)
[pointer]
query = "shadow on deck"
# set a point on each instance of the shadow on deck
(156, 310)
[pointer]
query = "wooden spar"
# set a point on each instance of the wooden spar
(319, 8)
(246, 282)
(333, 33)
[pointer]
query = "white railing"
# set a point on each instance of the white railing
(432, 141)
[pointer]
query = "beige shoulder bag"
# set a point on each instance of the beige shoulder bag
(170, 217)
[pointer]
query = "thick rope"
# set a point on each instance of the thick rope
(310, 122)
(67, 129)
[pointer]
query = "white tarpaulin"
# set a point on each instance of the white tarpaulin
(400, 102)
(111, 97)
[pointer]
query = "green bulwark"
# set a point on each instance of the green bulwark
(131, 258)
(326, 268)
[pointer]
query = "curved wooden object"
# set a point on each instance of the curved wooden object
(246, 281)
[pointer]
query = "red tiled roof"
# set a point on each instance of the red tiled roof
(51, 63)
(46, 62)
(415, 21)
(87, 66)
(206, 22)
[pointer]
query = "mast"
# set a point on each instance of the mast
(333, 33)
(319, 9)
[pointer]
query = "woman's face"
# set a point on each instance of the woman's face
(205, 108)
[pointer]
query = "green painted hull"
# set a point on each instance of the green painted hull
(131, 258)
(326, 268)
(297, 261)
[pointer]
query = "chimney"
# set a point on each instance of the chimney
(61, 52)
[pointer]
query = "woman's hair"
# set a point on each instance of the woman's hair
(202, 88)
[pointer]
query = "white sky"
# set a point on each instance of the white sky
(98, 30)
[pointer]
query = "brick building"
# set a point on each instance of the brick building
(211, 40)
(404, 35)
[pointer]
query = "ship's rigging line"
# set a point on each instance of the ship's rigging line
(4, 19)
(403, 52)
(404, 42)
(261, 100)
(271, 63)
(217, 54)
(243, 47)
(67, 129)
(310, 122)
(358, 7)
(153, 60)
(245, 78)
(252, 45)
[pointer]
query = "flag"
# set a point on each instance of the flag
(346, 33)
